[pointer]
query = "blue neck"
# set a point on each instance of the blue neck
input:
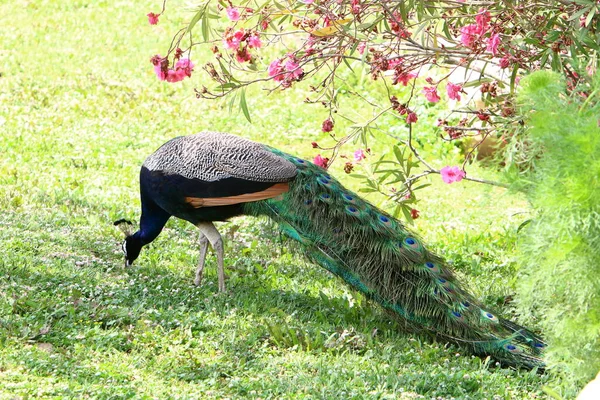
(152, 222)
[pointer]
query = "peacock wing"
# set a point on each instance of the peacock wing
(242, 158)
(214, 156)
(214, 169)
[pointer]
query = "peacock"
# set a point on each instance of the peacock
(213, 176)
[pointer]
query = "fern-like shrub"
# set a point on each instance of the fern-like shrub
(560, 248)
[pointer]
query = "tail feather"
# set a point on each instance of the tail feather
(376, 255)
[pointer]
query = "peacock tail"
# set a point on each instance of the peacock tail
(377, 256)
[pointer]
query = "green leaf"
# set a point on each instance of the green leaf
(244, 105)
(579, 13)
(406, 212)
(227, 86)
(421, 186)
(232, 101)
(446, 30)
(366, 190)
(523, 225)
(226, 72)
(205, 27)
(409, 164)
(544, 58)
(477, 82)
(195, 19)
(513, 78)
(384, 177)
(399, 155)
(347, 64)
(590, 16)
(556, 63)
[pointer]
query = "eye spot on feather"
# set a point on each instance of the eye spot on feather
(512, 348)
(308, 202)
(325, 196)
(323, 181)
(539, 345)
(432, 267)
(299, 161)
(348, 198)
(457, 316)
(385, 220)
(446, 285)
(489, 316)
(412, 243)
(466, 304)
(351, 209)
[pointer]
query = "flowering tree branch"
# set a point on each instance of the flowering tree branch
(460, 44)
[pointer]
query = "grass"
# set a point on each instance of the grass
(80, 111)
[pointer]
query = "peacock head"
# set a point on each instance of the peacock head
(131, 245)
(131, 249)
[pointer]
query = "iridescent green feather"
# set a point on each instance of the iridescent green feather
(377, 256)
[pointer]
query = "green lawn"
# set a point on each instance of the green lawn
(80, 109)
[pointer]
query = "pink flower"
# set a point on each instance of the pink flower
(468, 35)
(275, 70)
(404, 77)
(175, 75)
(414, 213)
(254, 41)
(393, 63)
(431, 94)
(232, 42)
(411, 117)
(242, 55)
(293, 68)
(161, 66)
(162, 75)
(453, 91)
(153, 18)
(452, 174)
(232, 13)
(504, 62)
(492, 44)
(327, 125)
(359, 155)
(483, 19)
(361, 47)
(286, 73)
(321, 161)
(184, 63)
(183, 68)
(307, 1)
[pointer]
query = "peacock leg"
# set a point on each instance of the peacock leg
(203, 247)
(214, 237)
